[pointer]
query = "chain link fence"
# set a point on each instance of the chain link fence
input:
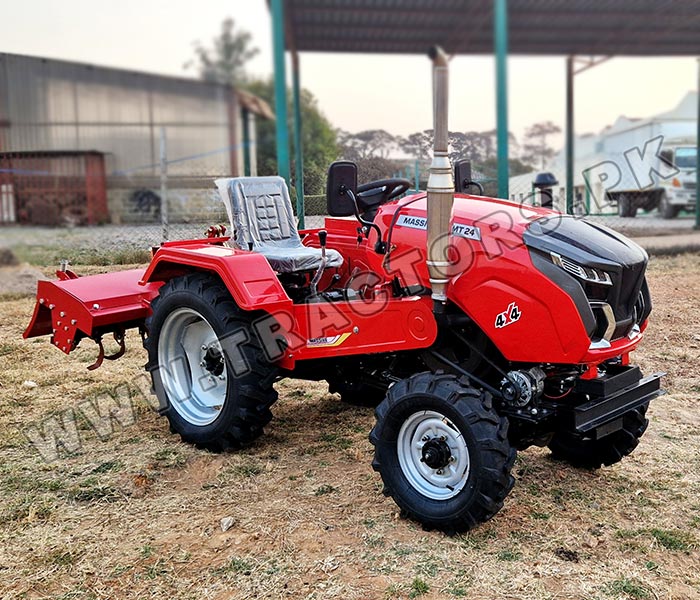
(51, 208)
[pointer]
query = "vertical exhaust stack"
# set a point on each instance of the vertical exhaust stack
(441, 189)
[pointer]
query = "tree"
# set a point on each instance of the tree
(225, 61)
(369, 150)
(371, 143)
(418, 144)
(318, 138)
(536, 150)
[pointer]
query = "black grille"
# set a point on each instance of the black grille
(592, 246)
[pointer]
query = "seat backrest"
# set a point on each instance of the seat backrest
(260, 212)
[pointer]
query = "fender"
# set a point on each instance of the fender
(247, 275)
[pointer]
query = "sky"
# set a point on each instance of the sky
(354, 91)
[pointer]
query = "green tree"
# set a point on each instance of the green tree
(225, 60)
(536, 149)
(319, 144)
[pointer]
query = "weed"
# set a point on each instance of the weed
(335, 440)
(418, 588)
(375, 541)
(509, 555)
(147, 551)
(157, 569)
(61, 558)
(247, 470)
(324, 489)
(673, 540)
(630, 587)
(240, 566)
(169, 457)
(88, 491)
(29, 508)
(106, 467)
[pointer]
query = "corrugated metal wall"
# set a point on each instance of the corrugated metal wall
(48, 105)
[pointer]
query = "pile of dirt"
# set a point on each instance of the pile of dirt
(8, 258)
(15, 278)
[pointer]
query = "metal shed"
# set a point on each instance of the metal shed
(51, 107)
(570, 28)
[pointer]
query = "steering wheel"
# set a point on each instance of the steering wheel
(384, 189)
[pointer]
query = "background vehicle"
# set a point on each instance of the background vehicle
(483, 327)
(669, 194)
(680, 192)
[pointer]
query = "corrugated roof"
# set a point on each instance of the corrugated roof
(255, 104)
(545, 27)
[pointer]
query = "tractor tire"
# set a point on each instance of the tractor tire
(592, 454)
(356, 394)
(442, 452)
(209, 371)
(626, 206)
(668, 210)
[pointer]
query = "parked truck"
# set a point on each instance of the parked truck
(663, 180)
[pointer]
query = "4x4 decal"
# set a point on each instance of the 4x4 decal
(508, 316)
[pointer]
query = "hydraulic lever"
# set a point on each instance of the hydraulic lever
(322, 236)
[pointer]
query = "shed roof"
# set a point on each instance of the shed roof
(544, 27)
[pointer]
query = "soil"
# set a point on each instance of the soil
(138, 513)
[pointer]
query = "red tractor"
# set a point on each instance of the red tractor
(479, 327)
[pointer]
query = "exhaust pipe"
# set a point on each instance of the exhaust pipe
(441, 189)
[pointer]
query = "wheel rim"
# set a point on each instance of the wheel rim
(192, 367)
(433, 455)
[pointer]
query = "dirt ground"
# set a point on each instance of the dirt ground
(138, 513)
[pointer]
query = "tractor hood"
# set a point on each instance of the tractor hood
(489, 220)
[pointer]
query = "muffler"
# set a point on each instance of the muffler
(441, 190)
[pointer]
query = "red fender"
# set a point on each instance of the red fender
(247, 275)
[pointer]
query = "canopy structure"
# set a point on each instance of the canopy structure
(570, 28)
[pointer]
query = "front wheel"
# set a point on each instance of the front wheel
(590, 453)
(442, 452)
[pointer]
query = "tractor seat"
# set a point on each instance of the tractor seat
(262, 221)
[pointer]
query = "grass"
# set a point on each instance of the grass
(674, 540)
(629, 587)
(138, 514)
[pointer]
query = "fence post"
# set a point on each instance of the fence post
(163, 185)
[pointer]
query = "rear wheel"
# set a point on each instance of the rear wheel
(592, 454)
(209, 371)
(626, 206)
(442, 452)
(668, 210)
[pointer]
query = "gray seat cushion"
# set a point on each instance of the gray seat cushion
(262, 220)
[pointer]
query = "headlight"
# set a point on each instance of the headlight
(586, 273)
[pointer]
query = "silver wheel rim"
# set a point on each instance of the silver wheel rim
(436, 483)
(194, 380)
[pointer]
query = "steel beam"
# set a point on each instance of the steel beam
(569, 135)
(298, 144)
(697, 160)
(281, 126)
(500, 37)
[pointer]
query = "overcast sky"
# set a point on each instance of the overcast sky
(354, 91)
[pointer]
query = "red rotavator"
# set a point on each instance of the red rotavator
(505, 327)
